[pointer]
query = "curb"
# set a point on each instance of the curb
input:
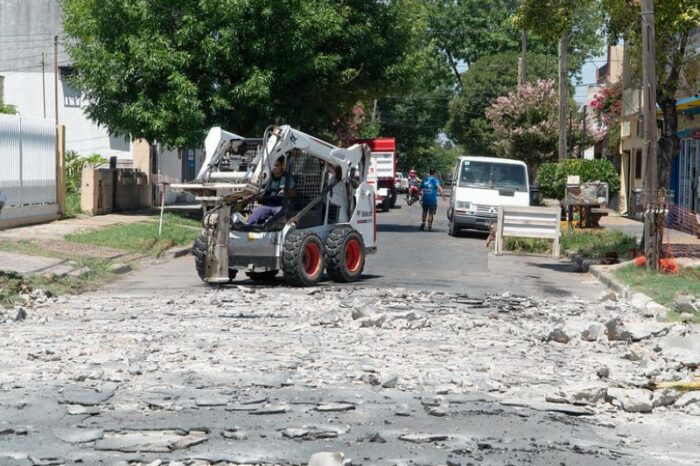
(604, 275)
(174, 253)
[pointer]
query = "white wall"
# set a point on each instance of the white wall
(24, 90)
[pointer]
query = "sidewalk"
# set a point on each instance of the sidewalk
(681, 244)
(39, 249)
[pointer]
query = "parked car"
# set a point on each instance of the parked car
(401, 183)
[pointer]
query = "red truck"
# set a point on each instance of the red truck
(383, 166)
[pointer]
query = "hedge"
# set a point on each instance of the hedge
(552, 176)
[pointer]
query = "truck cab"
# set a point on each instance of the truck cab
(480, 186)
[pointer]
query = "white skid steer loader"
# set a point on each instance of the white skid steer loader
(324, 220)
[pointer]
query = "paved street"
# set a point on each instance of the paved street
(413, 259)
(164, 371)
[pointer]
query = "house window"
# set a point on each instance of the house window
(638, 165)
(640, 128)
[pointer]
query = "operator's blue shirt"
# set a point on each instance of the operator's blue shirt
(430, 186)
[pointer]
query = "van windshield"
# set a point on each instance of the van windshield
(493, 175)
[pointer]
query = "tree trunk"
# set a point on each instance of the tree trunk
(453, 64)
(669, 143)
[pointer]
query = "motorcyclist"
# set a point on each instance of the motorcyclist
(413, 183)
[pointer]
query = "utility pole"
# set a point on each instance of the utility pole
(563, 94)
(522, 61)
(43, 80)
(55, 77)
(654, 205)
(584, 135)
(374, 110)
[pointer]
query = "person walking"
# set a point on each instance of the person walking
(430, 187)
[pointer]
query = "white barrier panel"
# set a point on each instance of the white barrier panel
(528, 222)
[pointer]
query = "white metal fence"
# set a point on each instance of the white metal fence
(528, 222)
(27, 167)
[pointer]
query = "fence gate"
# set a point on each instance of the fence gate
(28, 170)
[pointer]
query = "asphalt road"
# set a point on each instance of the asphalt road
(413, 259)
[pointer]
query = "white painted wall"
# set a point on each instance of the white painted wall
(24, 91)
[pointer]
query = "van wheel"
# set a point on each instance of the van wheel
(452, 229)
(345, 254)
(302, 258)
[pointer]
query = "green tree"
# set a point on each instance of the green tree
(468, 30)
(675, 22)
(166, 71)
(487, 79)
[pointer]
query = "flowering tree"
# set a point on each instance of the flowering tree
(525, 124)
(607, 110)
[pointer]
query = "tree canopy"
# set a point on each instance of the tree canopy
(166, 71)
(487, 79)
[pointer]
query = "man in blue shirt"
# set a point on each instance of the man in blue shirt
(430, 187)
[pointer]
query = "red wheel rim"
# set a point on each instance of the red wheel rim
(311, 258)
(353, 255)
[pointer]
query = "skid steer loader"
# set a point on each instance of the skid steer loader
(326, 220)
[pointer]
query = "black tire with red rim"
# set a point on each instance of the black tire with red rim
(303, 258)
(345, 254)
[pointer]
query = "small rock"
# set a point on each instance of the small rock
(389, 380)
(685, 303)
(279, 408)
(559, 335)
(593, 332)
(234, 434)
(20, 314)
(632, 400)
(78, 435)
(603, 372)
(335, 407)
(330, 318)
(376, 438)
(639, 302)
(402, 410)
(605, 296)
(326, 459)
(664, 397)
(438, 411)
(373, 321)
(652, 309)
(688, 399)
(615, 329)
(423, 438)
(362, 312)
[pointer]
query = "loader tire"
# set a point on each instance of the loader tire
(345, 254)
(199, 251)
(302, 258)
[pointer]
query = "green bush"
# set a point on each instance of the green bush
(594, 244)
(74, 168)
(552, 176)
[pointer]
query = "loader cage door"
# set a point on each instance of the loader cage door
(308, 173)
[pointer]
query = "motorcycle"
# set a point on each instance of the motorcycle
(412, 195)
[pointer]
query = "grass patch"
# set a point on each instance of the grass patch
(182, 219)
(660, 286)
(141, 237)
(527, 245)
(72, 205)
(592, 244)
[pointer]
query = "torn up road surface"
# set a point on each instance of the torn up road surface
(389, 377)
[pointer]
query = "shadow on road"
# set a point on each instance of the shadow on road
(562, 267)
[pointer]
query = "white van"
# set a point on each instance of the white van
(480, 185)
